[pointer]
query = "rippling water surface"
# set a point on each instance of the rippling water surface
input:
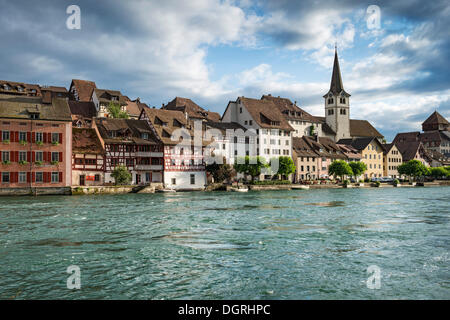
(297, 244)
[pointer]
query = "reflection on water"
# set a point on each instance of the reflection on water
(327, 204)
(309, 244)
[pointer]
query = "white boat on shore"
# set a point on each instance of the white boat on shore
(240, 189)
(302, 187)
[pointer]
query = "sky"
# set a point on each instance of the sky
(212, 51)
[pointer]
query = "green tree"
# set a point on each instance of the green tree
(115, 111)
(413, 168)
(438, 172)
(340, 168)
(251, 166)
(121, 175)
(358, 168)
(220, 172)
(286, 166)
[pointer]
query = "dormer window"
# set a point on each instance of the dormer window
(20, 89)
(114, 98)
(330, 100)
(145, 136)
(113, 134)
(6, 87)
(342, 100)
(34, 116)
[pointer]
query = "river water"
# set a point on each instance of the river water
(297, 244)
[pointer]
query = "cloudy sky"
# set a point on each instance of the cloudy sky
(213, 51)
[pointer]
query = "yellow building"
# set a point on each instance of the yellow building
(372, 154)
(392, 158)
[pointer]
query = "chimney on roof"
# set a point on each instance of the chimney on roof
(295, 103)
(163, 105)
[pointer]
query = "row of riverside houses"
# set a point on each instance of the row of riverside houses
(51, 137)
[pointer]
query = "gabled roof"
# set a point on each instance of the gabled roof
(133, 108)
(168, 118)
(387, 147)
(193, 110)
(435, 118)
(363, 128)
(20, 107)
(84, 89)
(409, 149)
(358, 143)
(19, 88)
(266, 114)
(132, 131)
(105, 95)
(290, 110)
(86, 140)
(85, 109)
(302, 148)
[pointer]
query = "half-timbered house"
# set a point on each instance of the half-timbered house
(184, 167)
(88, 157)
(131, 143)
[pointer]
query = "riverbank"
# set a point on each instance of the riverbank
(159, 187)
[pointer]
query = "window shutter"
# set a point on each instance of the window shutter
(60, 177)
(45, 137)
(16, 177)
(17, 136)
(49, 156)
(28, 136)
(44, 156)
(1, 135)
(33, 177)
(12, 137)
(60, 157)
(28, 176)
(33, 156)
(29, 156)
(33, 137)
(16, 156)
(60, 138)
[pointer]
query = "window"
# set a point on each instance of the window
(22, 136)
(39, 137)
(55, 137)
(55, 177)
(245, 122)
(192, 178)
(22, 177)
(174, 181)
(240, 110)
(145, 136)
(130, 162)
(34, 116)
(5, 177)
(343, 111)
(5, 156)
(5, 135)
(55, 156)
(22, 156)
(287, 142)
(330, 112)
(39, 177)
(250, 122)
(223, 146)
(39, 156)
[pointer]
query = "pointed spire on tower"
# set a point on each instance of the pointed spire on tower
(336, 79)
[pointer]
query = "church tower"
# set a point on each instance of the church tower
(337, 104)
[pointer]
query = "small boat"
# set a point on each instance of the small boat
(240, 189)
(303, 187)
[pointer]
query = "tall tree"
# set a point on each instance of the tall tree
(340, 168)
(220, 172)
(358, 168)
(413, 168)
(286, 166)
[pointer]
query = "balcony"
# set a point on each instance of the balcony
(142, 154)
(148, 167)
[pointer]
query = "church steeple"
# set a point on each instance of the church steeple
(336, 79)
(337, 104)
